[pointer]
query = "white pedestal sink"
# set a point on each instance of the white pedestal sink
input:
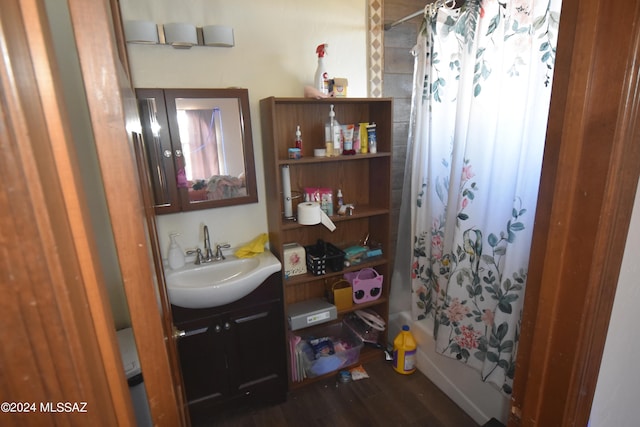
(219, 282)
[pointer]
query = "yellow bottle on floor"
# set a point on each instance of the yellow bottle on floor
(404, 352)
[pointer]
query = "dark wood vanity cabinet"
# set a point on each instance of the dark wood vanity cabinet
(234, 355)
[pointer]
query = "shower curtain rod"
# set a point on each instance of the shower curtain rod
(435, 4)
(401, 20)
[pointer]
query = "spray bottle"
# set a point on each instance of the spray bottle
(321, 81)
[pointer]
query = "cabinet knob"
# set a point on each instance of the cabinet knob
(227, 326)
(167, 153)
(218, 329)
(178, 153)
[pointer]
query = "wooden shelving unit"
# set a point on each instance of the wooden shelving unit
(365, 181)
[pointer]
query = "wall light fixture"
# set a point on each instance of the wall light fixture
(180, 35)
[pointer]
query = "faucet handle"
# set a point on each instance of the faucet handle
(198, 253)
(219, 248)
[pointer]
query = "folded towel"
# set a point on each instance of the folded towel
(253, 248)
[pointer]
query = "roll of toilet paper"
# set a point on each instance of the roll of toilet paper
(309, 213)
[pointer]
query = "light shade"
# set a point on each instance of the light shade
(218, 35)
(145, 32)
(180, 35)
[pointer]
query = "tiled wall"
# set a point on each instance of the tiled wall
(397, 82)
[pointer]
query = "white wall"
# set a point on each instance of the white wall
(615, 402)
(274, 55)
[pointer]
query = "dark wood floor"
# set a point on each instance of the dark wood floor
(386, 398)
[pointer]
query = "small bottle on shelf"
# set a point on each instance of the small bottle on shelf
(347, 134)
(298, 141)
(371, 136)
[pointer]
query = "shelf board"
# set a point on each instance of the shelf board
(381, 300)
(342, 158)
(359, 212)
(307, 277)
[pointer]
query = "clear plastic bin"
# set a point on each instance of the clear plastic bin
(319, 359)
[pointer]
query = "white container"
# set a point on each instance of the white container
(176, 256)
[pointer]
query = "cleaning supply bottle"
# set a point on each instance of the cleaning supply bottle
(404, 352)
(321, 80)
(176, 256)
(298, 140)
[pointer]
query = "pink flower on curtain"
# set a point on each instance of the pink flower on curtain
(468, 337)
(414, 269)
(467, 173)
(456, 312)
(488, 317)
(436, 247)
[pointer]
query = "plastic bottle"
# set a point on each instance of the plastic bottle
(321, 80)
(329, 132)
(340, 199)
(298, 141)
(372, 138)
(347, 135)
(176, 256)
(404, 352)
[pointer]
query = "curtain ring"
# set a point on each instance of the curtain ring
(450, 4)
(430, 10)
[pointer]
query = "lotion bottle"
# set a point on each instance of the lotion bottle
(329, 131)
(176, 256)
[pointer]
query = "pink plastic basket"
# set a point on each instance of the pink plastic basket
(366, 283)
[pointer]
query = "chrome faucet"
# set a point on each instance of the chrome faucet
(208, 252)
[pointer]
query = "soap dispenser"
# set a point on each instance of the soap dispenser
(176, 256)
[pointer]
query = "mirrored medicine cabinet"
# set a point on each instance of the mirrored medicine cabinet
(199, 148)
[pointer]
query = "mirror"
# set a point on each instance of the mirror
(199, 147)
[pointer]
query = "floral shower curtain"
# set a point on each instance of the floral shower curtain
(482, 87)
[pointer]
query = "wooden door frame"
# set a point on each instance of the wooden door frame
(589, 177)
(590, 171)
(110, 98)
(58, 337)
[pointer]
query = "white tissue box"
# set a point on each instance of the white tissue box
(295, 260)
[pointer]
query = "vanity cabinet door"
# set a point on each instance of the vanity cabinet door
(236, 356)
(204, 363)
(159, 151)
(257, 358)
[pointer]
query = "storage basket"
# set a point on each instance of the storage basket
(345, 350)
(322, 257)
(366, 283)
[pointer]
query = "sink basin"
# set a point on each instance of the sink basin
(219, 282)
